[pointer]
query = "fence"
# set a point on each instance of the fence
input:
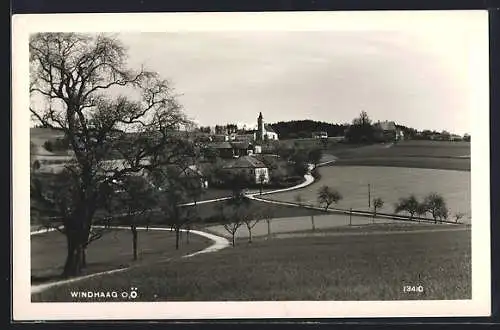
(370, 214)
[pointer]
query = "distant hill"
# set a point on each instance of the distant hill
(304, 128)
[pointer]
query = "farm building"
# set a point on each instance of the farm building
(232, 149)
(250, 166)
(389, 131)
(320, 135)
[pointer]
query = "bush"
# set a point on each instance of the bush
(315, 173)
(48, 146)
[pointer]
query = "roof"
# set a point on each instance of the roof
(269, 128)
(245, 162)
(240, 144)
(387, 125)
(220, 145)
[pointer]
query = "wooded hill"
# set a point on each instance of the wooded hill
(304, 128)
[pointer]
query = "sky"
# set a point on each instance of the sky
(418, 75)
(426, 70)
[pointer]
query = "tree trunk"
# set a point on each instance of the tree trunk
(84, 257)
(187, 236)
(249, 234)
(177, 237)
(72, 266)
(312, 222)
(134, 240)
(234, 242)
(268, 228)
(76, 241)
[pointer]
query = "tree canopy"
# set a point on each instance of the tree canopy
(81, 85)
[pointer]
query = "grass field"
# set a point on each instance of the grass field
(208, 211)
(411, 148)
(414, 154)
(364, 267)
(113, 250)
(388, 183)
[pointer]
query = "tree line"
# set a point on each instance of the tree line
(432, 204)
(304, 128)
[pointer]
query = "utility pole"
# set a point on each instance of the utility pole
(369, 197)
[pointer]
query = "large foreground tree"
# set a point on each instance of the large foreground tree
(77, 85)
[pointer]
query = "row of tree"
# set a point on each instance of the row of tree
(433, 204)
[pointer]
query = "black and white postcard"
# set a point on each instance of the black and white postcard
(251, 165)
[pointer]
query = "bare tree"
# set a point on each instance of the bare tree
(238, 205)
(458, 216)
(262, 179)
(136, 199)
(70, 82)
(172, 193)
(377, 204)
(328, 196)
(251, 219)
(267, 214)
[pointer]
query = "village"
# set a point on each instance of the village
(127, 193)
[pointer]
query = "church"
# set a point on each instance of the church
(264, 132)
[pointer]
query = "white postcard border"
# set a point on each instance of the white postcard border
(24, 309)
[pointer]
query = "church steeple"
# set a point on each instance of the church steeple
(260, 127)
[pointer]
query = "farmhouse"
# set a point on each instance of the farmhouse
(250, 166)
(320, 135)
(232, 149)
(389, 131)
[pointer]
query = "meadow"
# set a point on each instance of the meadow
(113, 250)
(388, 183)
(351, 267)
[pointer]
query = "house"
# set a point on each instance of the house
(242, 148)
(219, 137)
(250, 166)
(193, 171)
(320, 135)
(389, 131)
(232, 149)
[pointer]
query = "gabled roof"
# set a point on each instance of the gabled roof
(245, 162)
(269, 128)
(387, 125)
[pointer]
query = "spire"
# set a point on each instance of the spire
(260, 115)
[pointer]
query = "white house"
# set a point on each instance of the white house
(249, 165)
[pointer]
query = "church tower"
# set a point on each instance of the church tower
(260, 128)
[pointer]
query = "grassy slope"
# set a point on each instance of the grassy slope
(414, 154)
(113, 250)
(365, 267)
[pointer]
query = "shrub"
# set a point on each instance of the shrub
(315, 173)
(48, 145)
